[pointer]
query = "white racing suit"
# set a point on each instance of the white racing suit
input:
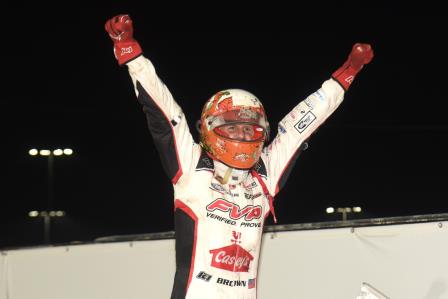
(219, 227)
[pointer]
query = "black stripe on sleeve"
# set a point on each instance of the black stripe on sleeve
(161, 130)
(284, 177)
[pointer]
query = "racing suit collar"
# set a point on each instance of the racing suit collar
(229, 175)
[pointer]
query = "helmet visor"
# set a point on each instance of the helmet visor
(242, 124)
(241, 132)
(244, 115)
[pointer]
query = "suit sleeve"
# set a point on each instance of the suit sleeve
(166, 121)
(295, 128)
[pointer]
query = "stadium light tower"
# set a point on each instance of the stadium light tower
(344, 211)
(48, 214)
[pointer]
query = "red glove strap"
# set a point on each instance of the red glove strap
(127, 51)
(345, 75)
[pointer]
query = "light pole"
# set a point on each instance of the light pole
(47, 214)
(344, 211)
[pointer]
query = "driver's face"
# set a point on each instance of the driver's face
(239, 131)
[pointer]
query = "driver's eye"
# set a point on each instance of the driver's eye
(231, 129)
(247, 129)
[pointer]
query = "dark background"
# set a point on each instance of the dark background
(385, 149)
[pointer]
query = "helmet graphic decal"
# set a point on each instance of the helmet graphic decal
(234, 128)
(241, 157)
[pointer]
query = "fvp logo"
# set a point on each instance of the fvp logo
(249, 212)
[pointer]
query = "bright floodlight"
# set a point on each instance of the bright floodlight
(330, 210)
(357, 209)
(33, 213)
(60, 213)
(44, 152)
(58, 152)
(68, 151)
(33, 152)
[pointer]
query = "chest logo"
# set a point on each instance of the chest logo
(249, 212)
(233, 257)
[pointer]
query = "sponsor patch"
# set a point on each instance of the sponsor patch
(251, 196)
(249, 212)
(305, 121)
(309, 103)
(232, 258)
(218, 187)
(250, 186)
(204, 276)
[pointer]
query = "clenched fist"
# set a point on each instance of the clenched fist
(120, 30)
(360, 55)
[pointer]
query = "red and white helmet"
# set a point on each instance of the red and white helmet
(228, 109)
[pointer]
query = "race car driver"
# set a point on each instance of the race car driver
(224, 186)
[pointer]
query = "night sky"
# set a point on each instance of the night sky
(385, 149)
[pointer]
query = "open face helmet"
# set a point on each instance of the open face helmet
(234, 128)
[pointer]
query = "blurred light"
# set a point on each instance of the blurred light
(58, 152)
(33, 152)
(44, 152)
(68, 151)
(330, 210)
(348, 210)
(46, 213)
(33, 213)
(357, 209)
(60, 213)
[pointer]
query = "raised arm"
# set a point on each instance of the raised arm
(165, 118)
(308, 115)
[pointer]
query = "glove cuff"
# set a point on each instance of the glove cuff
(127, 51)
(345, 75)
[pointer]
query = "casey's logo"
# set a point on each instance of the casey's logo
(233, 257)
(249, 212)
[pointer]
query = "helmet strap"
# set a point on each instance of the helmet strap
(229, 175)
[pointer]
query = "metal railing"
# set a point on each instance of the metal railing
(294, 227)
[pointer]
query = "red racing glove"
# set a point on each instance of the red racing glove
(361, 54)
(120, 30)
